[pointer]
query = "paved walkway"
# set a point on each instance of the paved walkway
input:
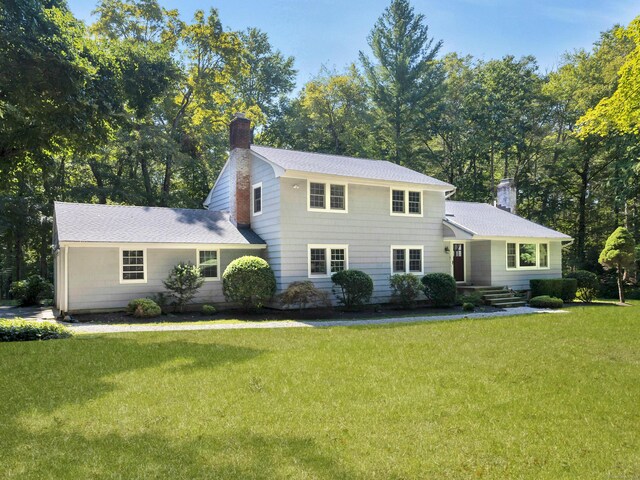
(28, 313)
(80, 328)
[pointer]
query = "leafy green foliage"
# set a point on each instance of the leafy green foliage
(183, 282)
(620, 253)
(303, 294)
(249, 281)
(32, 290)
(440, 289)
(352, 287)
(19, 330)
(144, 308)
(468, 307)
(405, 289)
(564, 288)
(474, 298)
(588, 285)
(209, 310)
(545, 301)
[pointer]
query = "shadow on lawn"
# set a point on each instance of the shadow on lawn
(44, 376)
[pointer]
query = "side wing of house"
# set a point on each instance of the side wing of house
(220, 194)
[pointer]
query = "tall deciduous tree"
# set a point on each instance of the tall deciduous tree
(404, 82)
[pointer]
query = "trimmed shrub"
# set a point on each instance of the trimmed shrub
(564, 288)
(32, 290)
(468, 307)
(474, 298)
(405, 289)
(209, 309)
(545, 301)
(143, 308)
(587, 283)
(19, 330)
(249, 281)
(440, 289)
(302, 294)
(183, 282)
(355, 287)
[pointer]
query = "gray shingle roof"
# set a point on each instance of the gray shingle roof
(484, 220)
(83, 222)
(345, 166)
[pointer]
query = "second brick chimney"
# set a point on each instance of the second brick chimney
(240, 170)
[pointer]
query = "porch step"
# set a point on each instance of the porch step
(501, 297)
(515, 302)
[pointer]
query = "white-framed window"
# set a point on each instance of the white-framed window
(208, 261)
(327, 197)
(527, 255)
(406, 202)
(407, 259)
(256, 198)
(325, 260)
(133, 265)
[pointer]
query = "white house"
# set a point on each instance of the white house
(309, 215)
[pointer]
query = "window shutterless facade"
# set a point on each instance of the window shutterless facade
(327, 197)
(209, 263)
(406, 202)
(256, 199)
(133, 267)
(527, 255)
(325, 260)
(407, 259)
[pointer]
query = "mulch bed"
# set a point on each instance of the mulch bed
(267, 314)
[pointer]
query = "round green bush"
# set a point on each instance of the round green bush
(405, 289)
(440, 289)
(143, 308)
(588, 285)
(249, 281)
(18, 330)
(355, 287)
(468, 307)
(209, 309)
(545, 301)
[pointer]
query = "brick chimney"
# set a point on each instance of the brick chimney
(240, 169)
(507, 195)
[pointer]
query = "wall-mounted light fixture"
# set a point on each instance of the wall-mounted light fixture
(446, 249)
(296, 186)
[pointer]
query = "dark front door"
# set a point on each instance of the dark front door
(458, 262)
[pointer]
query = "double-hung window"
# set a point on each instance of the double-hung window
(529, 255)
(407, 259)
(208, 262)
(406, 202)
(327, 197)
(325, 260)
(256, 198)
(133, 267)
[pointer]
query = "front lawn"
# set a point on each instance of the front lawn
(540, 396)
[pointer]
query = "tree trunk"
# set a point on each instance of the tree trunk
(147, 180)
(166, 185)
(620, 283)
(582, 215)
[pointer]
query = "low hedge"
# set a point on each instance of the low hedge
(564, 288)
(20, 330)
(545, 301)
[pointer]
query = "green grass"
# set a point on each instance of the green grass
(543, 396)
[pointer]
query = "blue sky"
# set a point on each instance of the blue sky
(331, 32)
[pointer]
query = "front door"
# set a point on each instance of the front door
(458, 262)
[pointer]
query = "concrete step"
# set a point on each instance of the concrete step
(510, 303)
(504, 294)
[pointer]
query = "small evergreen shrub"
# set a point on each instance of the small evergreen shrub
(31, 291)
(468, 307)
(405, 289)
(143, 308)
(183, 282)
(304, 293)
(474, 298)
(440, 289)
(19, 330)
(352, 287)
(249, 281)
(588, 285)
(209, 309)
(545, 301)
(564, 288)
